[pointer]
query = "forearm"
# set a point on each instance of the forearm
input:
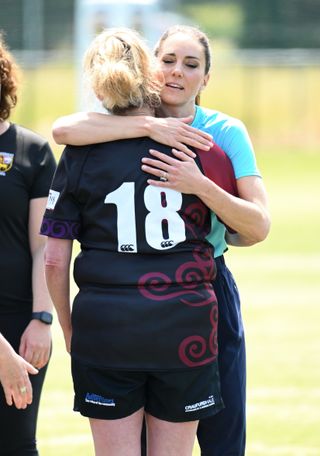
(41, 297)
(59, 288)
(91, 127)
(247, 214)
(57, 268)
(249, 219)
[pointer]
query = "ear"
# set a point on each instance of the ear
(205, 81)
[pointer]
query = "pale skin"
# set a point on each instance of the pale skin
(35, 344)
(80, 128)
(164, 438)
(183, 65)
(14, 376)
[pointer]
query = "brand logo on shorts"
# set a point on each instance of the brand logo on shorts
(99, 400)
(200, 405)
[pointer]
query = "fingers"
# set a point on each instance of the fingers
(9, 398)
(22, 395)
(40, 357)
(185, 149)
(31, 369)
(196, 138)
(168, 159)
(153, 171)
(159, 183)
(180, 155)
(161, 156)
(148, 164)
(197, 143)
(163, 162)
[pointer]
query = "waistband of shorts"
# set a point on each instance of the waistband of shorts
(220, 260)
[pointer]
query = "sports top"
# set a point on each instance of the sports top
(231, 135)
(26, 170)
(145, 268)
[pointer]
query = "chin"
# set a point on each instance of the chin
(171, 99)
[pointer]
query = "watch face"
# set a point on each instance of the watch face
(46, 317)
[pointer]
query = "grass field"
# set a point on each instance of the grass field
(279, 282)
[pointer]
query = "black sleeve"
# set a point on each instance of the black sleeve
(46, 168)
(62, 218)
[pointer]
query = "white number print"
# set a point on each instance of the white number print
(123, 198)
(164, 227)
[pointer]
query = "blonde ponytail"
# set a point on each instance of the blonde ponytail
(121, 71)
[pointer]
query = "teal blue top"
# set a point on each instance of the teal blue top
(231, 135)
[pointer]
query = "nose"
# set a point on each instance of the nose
(177, 71)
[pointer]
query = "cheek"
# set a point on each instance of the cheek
(165, 71)
(195, 84)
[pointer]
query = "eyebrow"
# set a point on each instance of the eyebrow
(186, 57)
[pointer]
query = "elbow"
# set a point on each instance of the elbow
(60, 132)
(54, 263)
(262, 229)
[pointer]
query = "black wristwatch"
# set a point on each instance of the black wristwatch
(45, 317)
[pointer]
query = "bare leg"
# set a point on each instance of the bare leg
(120, 437)
(170, 439)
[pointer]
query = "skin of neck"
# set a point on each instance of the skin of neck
(143, 111)
(176, 111)
(4, 125)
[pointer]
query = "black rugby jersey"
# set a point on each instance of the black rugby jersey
(26, 170)
(145, 268)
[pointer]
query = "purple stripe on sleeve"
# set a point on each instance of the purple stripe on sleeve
(62, 229)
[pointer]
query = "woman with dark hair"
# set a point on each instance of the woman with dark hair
(26, 169)
(142, 331)
(185, 59)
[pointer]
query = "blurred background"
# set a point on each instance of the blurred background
(266, 71)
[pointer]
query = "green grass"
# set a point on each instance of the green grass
(278, 279)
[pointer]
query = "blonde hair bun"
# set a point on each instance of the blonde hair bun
(121, 71)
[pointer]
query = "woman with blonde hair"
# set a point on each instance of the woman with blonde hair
(143, 328)
(184, 56)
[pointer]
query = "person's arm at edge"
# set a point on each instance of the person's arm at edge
(14, 372)
(57, 269)
(35, 345)
(92, 127)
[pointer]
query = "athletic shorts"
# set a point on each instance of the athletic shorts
(176, 396)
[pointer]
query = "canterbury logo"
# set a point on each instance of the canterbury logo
(166, 244)
(127, 248)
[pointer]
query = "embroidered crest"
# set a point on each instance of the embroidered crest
(6, 162)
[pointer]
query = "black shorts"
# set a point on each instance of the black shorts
(176, 396)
